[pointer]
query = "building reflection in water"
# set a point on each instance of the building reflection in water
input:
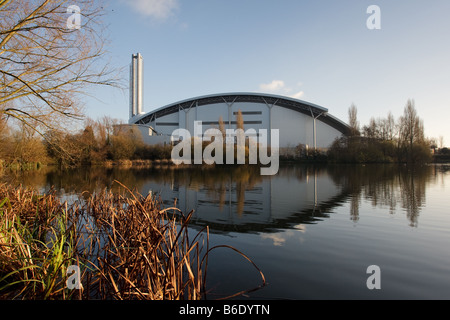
(240, 199)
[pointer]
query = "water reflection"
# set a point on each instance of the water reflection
(299, 223)
(239, 199)
(387, 186)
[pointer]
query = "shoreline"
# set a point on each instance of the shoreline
(167, 163)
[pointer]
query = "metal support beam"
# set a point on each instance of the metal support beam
(270, 118)
(186, 111)
(314, 126)
(229, 109)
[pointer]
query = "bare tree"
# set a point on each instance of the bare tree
(411, 126)
(390, 126)
(6, 143)
(125, 141)
(46, 63)
(3, 127)
(411, 129)
(27, 147)
(353, 120)
(372, 130)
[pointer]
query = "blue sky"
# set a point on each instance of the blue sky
(317, 51)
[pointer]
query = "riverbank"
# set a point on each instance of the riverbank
(314, 158)
(441, 158)
(21, 166)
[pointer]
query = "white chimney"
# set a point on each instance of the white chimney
(136, 85)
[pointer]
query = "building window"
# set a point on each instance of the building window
(168, 124)
(248, 113)
(210, 123)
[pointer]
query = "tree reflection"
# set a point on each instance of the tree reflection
(217, 181)
(387, 186)
(233, 187)
(355, 202)
(413, 184)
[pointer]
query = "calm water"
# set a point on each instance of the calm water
(313, 231)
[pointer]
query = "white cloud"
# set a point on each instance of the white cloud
(297, 95)
(279, 87)
(159, 9)
(275, 85)
(278, 240)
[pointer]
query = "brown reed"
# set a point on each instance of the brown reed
(126, 245)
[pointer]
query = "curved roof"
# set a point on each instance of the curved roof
(269, 99)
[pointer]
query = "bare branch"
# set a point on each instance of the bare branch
(46, 67)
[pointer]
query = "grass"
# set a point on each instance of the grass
(126, 246)
(35, 245)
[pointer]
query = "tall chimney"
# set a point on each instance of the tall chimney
(136, 84)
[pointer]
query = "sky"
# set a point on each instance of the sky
(318, 51)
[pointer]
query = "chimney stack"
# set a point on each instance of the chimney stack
(136, 85)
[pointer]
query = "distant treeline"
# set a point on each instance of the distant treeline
(107, 139)
(99, 141)
(385, 140)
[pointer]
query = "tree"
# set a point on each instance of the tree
(64, 148)
(390, 126)
(411, 131)
(411, 126)
(45, 63)
(122, 147)
(372, 130)
(125, 141)
(381, 128)
(88, 145)
(353, 120)
(28, 148)
(6, 142)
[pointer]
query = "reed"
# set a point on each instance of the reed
(126, 245)
(35, 245)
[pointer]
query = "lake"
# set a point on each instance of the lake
(312, 230)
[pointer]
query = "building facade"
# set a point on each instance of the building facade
(298, 122)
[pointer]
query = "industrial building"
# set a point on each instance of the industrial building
(298, 122)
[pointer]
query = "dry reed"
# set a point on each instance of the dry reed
(127, 246)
